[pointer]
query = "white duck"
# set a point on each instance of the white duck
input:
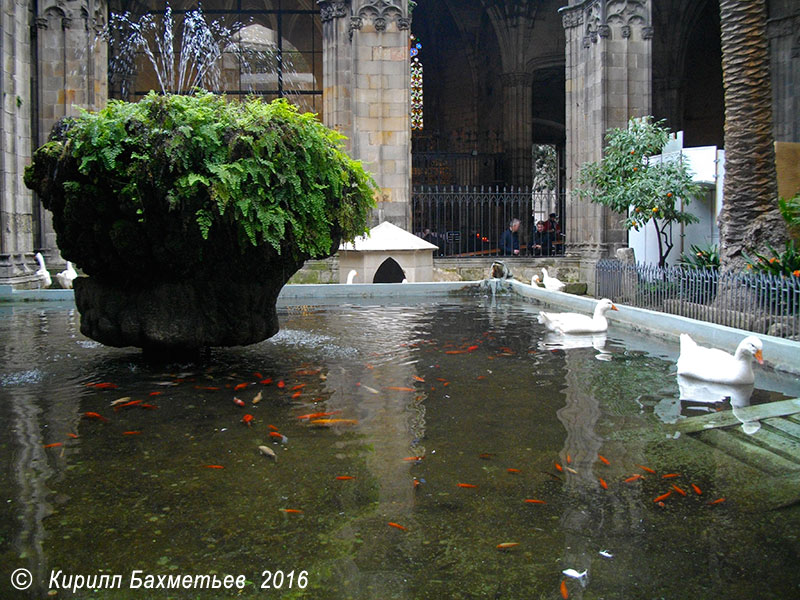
(713, 364)
(43, 274)
(551, 283)
(65, 277)
(351, 275)
(579, 323)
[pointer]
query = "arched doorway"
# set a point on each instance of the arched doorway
(389, 272)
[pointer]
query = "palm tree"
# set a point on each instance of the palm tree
(750, 215)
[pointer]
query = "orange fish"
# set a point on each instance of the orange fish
(266, 381)
(534, 501)
(415, 458)
(148, 406)
(513, 471)
(399, 389)
(663, 496)
(558, 467)
(717, 501)
(131, 403)
(238, 401)
(272, 427)
(397, 526)
(485, 455)
(103, 386)
(258, 375)
(319, 415)
(293, 511)
(603, 459)
(506, 545)
(455, 351)
(53, 445)
(563, 588)
(94, 415)
(334, 421)
(472, 348)
(131, 433)
(210, 388)
(299, 386)
(277, 435)
(247, 419)
(416, 483)
(697, 490)
(240, 386)
(603, 483)
(74, 436)
(670, 475)
(634, 478)
(281, 384)
(648, 469)
(481, 377)
(155, 393)
(679, 490)
(344, 477)
(467, 485)
(418, 378)
(213, 466)
(569, 459)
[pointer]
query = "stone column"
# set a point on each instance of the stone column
(518, 126)
(367, 93)
(784, 49)
(608, 80)
(72, 75)
(16, 213)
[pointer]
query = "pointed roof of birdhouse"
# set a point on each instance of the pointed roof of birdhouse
(387, 236)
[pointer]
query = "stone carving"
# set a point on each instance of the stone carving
(332, 9)
(382, 12)
(626, 12)
(597, 17)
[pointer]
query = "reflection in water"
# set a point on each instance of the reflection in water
(561, 341)
(696, 390)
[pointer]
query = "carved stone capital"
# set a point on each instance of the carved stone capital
(383, 12)
(332, 9)
(41, 22)
(66, 23)
(626, 31)
(647, 33)
(604, 31)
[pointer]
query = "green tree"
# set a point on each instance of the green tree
(629, 182)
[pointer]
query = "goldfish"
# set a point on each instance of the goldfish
(319, 415)
(370, 389)
(149, 406)
(240, 386)
(281, 384)
(670, 475)
(414, 458)
(571, 470)
(272, 427)
(267, 451)
(481, 377)
(296, 395)
(155, 393)
(663, 496)
(467, 485)
(258, 375)
(603, 483)
(294, 511)
(605, 554)
(238, 401)
(485, 455)
(697, 490)
(472, 348)
(603, 459)
(103, 386)
(120, 401)
(213, 466)
(563, 588)
(534, 501)
(299, 386)
(74, 436)
(416, 483)
(277, 435)
(506, 545)
(558, 467)
(634, 478)
(455, 351)
(266, 381)
(569, 459)
(53, 445)
(344, 477)
(334, 421)
(513, 471)
(574, 574)
(247, 419)
(94, 415)
(418, 378)
(208, 388)
(131, 433)
(679, 490)
(717, 501)
(257, 398)
(397, 526)
(131, 403)
(399, 389)
(649, 470)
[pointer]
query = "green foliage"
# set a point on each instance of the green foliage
(700, 257)
(629, 182)
(790, 210)
(545, 165)
(183, 170)
(785, 263)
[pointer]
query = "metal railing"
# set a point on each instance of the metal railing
(757, 302)
(449, 168)
(468, 221)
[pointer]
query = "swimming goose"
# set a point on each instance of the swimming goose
(713, 364)
(43, 274)
(65, 277)
(551, 283)
(579, 323)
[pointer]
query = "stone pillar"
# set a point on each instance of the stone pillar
(365, 53)
(72, 75)
(16, 204)
(784, 50)
(518, 126)
(608, 80)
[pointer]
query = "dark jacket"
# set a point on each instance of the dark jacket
(543, 239)
(509, 242)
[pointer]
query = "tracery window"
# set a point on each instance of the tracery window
(416, 83)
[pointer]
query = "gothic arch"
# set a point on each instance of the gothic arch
(390, 271)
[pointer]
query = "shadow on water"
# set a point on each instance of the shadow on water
(461, 422)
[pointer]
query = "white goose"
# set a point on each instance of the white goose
(351, 275)
(577, 322)
(65, 277)
(551, 283)
(713, 364)
(43, 274)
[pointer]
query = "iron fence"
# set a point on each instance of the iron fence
(757, 302)
(448, 168)
(468, 221)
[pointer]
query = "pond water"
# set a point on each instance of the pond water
(445, 418)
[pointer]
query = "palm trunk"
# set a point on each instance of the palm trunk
(750, 215)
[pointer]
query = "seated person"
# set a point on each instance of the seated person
(552, 227)
(540, 244)
(509, 241)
